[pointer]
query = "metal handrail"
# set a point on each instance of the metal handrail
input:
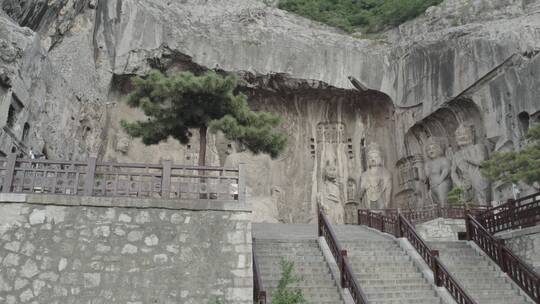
(514, 214)
(347, 278)
(521, 273)
(400, 226)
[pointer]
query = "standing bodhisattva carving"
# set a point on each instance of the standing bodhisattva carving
(376, 182)
(330, 197)
(466, 167)
(437, 169)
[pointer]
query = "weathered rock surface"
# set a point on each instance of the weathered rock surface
(467, 62)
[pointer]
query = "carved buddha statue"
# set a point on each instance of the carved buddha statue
(466, 164)
(437, 169)
(376, 181)
(330, 197)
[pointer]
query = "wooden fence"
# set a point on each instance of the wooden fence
(107, 179)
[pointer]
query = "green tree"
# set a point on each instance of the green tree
(514, 166)
(455, 196)
(283, 293)
(176, 104)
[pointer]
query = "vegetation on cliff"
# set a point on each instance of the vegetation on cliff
(177, 104)
(368, 15)
(514, 166)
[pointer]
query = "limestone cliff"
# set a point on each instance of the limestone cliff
(469, 62)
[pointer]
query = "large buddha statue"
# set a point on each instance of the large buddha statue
(466, 167)
(376, 181)
(331, 198)
(437, 168)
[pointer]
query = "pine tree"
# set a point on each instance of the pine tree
(176, 104)
(514, 166)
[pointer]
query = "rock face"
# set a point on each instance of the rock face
(472, 63)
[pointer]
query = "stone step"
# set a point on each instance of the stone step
(391, 282)
(387, 275)
(431, 300)
(317, 283)
(482, 279)
(371, 295)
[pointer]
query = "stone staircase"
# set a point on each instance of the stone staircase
(384, 270)
(317, 282)
(478, 274)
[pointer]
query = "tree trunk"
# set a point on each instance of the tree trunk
(202, 145)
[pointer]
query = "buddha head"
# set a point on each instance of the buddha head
(374, 157)
(434, 150)
(330, 171)
(464, 135)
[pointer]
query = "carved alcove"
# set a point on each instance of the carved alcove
(325, 125)
(439, 127)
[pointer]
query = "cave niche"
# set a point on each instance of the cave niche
(440, 127)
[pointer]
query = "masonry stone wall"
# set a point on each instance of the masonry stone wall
(441, 229)
(80, 253)
(525, 243)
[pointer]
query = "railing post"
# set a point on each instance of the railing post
(500, 253)
(399, 233)
(90, 176)
(166, 178)
(343, 255)
(511, 212)
(10, 172)
(359, 217)
(436, 268)
(468, 225)
(242, 183)
(370, 219)
(262, 297)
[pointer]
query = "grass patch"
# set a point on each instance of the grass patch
(351, 15)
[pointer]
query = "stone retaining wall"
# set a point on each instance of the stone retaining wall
(78, 253)
(441, 229)
(525, 243)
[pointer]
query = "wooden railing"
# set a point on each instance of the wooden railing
(516, 269)
(259, 293)
(430, 213)
(515, 214)
(400, 226)
(347, 278)
(92, 178)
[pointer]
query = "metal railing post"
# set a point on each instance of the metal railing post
(242, 183)
(468, 225)
(435, 267)
(343, 255)
(500, 253)
(166, 178)
(10, 172)
(90, 176)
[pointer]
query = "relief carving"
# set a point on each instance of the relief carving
(466, 166)
(437, 169)
(330, 198)
(331, 132)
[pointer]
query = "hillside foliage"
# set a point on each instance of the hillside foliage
(514, 166)
(368, 15)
